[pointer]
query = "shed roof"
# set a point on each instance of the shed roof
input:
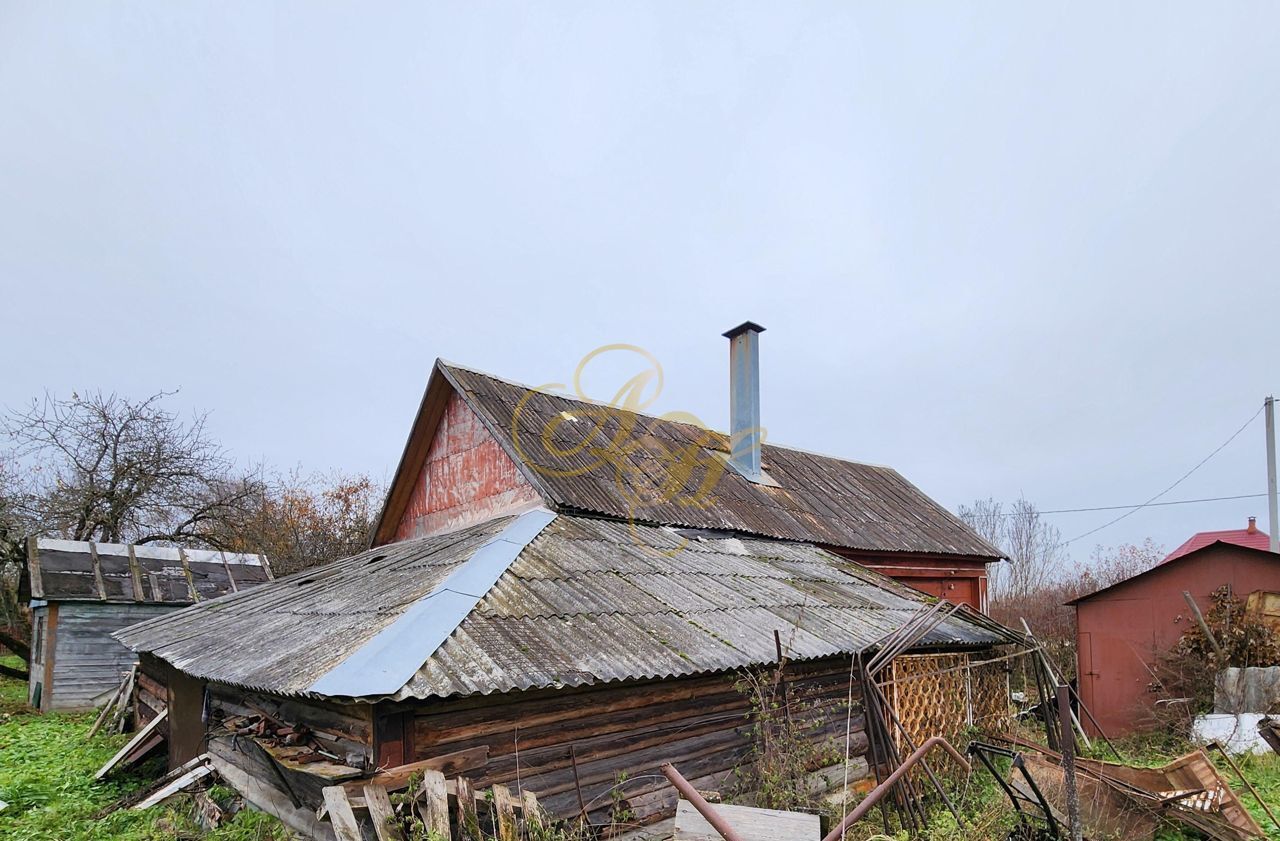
(586, 457)
(1251, 538)
(78, 570)
(579, 601)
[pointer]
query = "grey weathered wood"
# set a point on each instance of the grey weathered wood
(504, 813)
(751, 824)
(433, 803)
(141, 737)
(96, 562)
(135, 574)
(468, 820)
(345, 825)
(382, 814)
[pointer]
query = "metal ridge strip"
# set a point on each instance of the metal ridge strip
(390, 658)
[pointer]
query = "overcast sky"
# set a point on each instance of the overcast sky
(1008, 248)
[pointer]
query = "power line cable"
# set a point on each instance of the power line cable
(1134, 505)
(1180, 480)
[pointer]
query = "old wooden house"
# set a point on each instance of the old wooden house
(563, 595)
(83, 591)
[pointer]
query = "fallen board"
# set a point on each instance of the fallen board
(751, 824)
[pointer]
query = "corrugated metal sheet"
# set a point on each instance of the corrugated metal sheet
(588, 601)
(591, 458)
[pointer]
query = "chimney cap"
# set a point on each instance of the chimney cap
(742, 328)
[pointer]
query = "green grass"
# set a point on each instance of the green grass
(46, 777)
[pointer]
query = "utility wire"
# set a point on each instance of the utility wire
(1181, 479)
(1134, 505)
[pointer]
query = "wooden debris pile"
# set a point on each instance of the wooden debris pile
(296, 743)
(427, 805)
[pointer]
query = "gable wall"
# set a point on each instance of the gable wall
(957, 579)
(467, 478)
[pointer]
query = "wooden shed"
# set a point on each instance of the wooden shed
(83, 591)
(564, 595)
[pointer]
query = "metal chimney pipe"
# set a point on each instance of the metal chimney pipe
(744, 399)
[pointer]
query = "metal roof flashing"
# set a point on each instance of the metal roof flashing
(386, 662)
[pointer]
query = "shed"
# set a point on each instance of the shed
(82, 591)
(1123, 630)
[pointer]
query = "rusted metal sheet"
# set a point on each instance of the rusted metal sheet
(588, 601)
(467, 478)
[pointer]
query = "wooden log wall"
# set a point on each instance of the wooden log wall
(624, 733)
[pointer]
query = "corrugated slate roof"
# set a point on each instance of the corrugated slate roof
(587, 601)
(77, 570)
(592, 458)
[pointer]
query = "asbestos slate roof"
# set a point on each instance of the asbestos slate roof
(77, 570)
(586, 601)
(586, 457)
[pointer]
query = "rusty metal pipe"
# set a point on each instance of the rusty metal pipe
(699, 802)
(873, 797)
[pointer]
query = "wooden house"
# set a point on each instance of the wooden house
(83, 591)
(562, 596)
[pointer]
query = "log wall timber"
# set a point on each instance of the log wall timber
(701, 724)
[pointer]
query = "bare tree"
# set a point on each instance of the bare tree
(105, 468)
(301, 521)
(1034, 547)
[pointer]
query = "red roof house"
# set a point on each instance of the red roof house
(1251, 537)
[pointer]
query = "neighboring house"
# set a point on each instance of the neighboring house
(83, 591)
(1124, 630)
(574, 590)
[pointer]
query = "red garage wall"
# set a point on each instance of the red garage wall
(1124, 630)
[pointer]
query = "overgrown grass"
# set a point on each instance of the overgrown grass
(46, 777)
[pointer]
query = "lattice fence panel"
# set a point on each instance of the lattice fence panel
(930, 695)
(943, 695)
(989, 689)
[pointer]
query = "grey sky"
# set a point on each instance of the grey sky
(1003, 247)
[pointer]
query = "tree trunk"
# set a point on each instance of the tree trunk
(15, 645)
(15, 673)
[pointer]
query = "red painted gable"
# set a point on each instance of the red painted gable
(467, 478)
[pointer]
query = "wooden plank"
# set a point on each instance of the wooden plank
(165, 792)
(504, 814)
(106, 709)
(231, 580)
(135, 573)
(51, 656)
(382, 814)
(266, 566)
(468, 820)
(97, 570)
(33, 568)
(534, 818)
(433, 802)
(140, 738)
(394, 779)
(751, 824)
(186, 571)
(341, 816)
(332, 772)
